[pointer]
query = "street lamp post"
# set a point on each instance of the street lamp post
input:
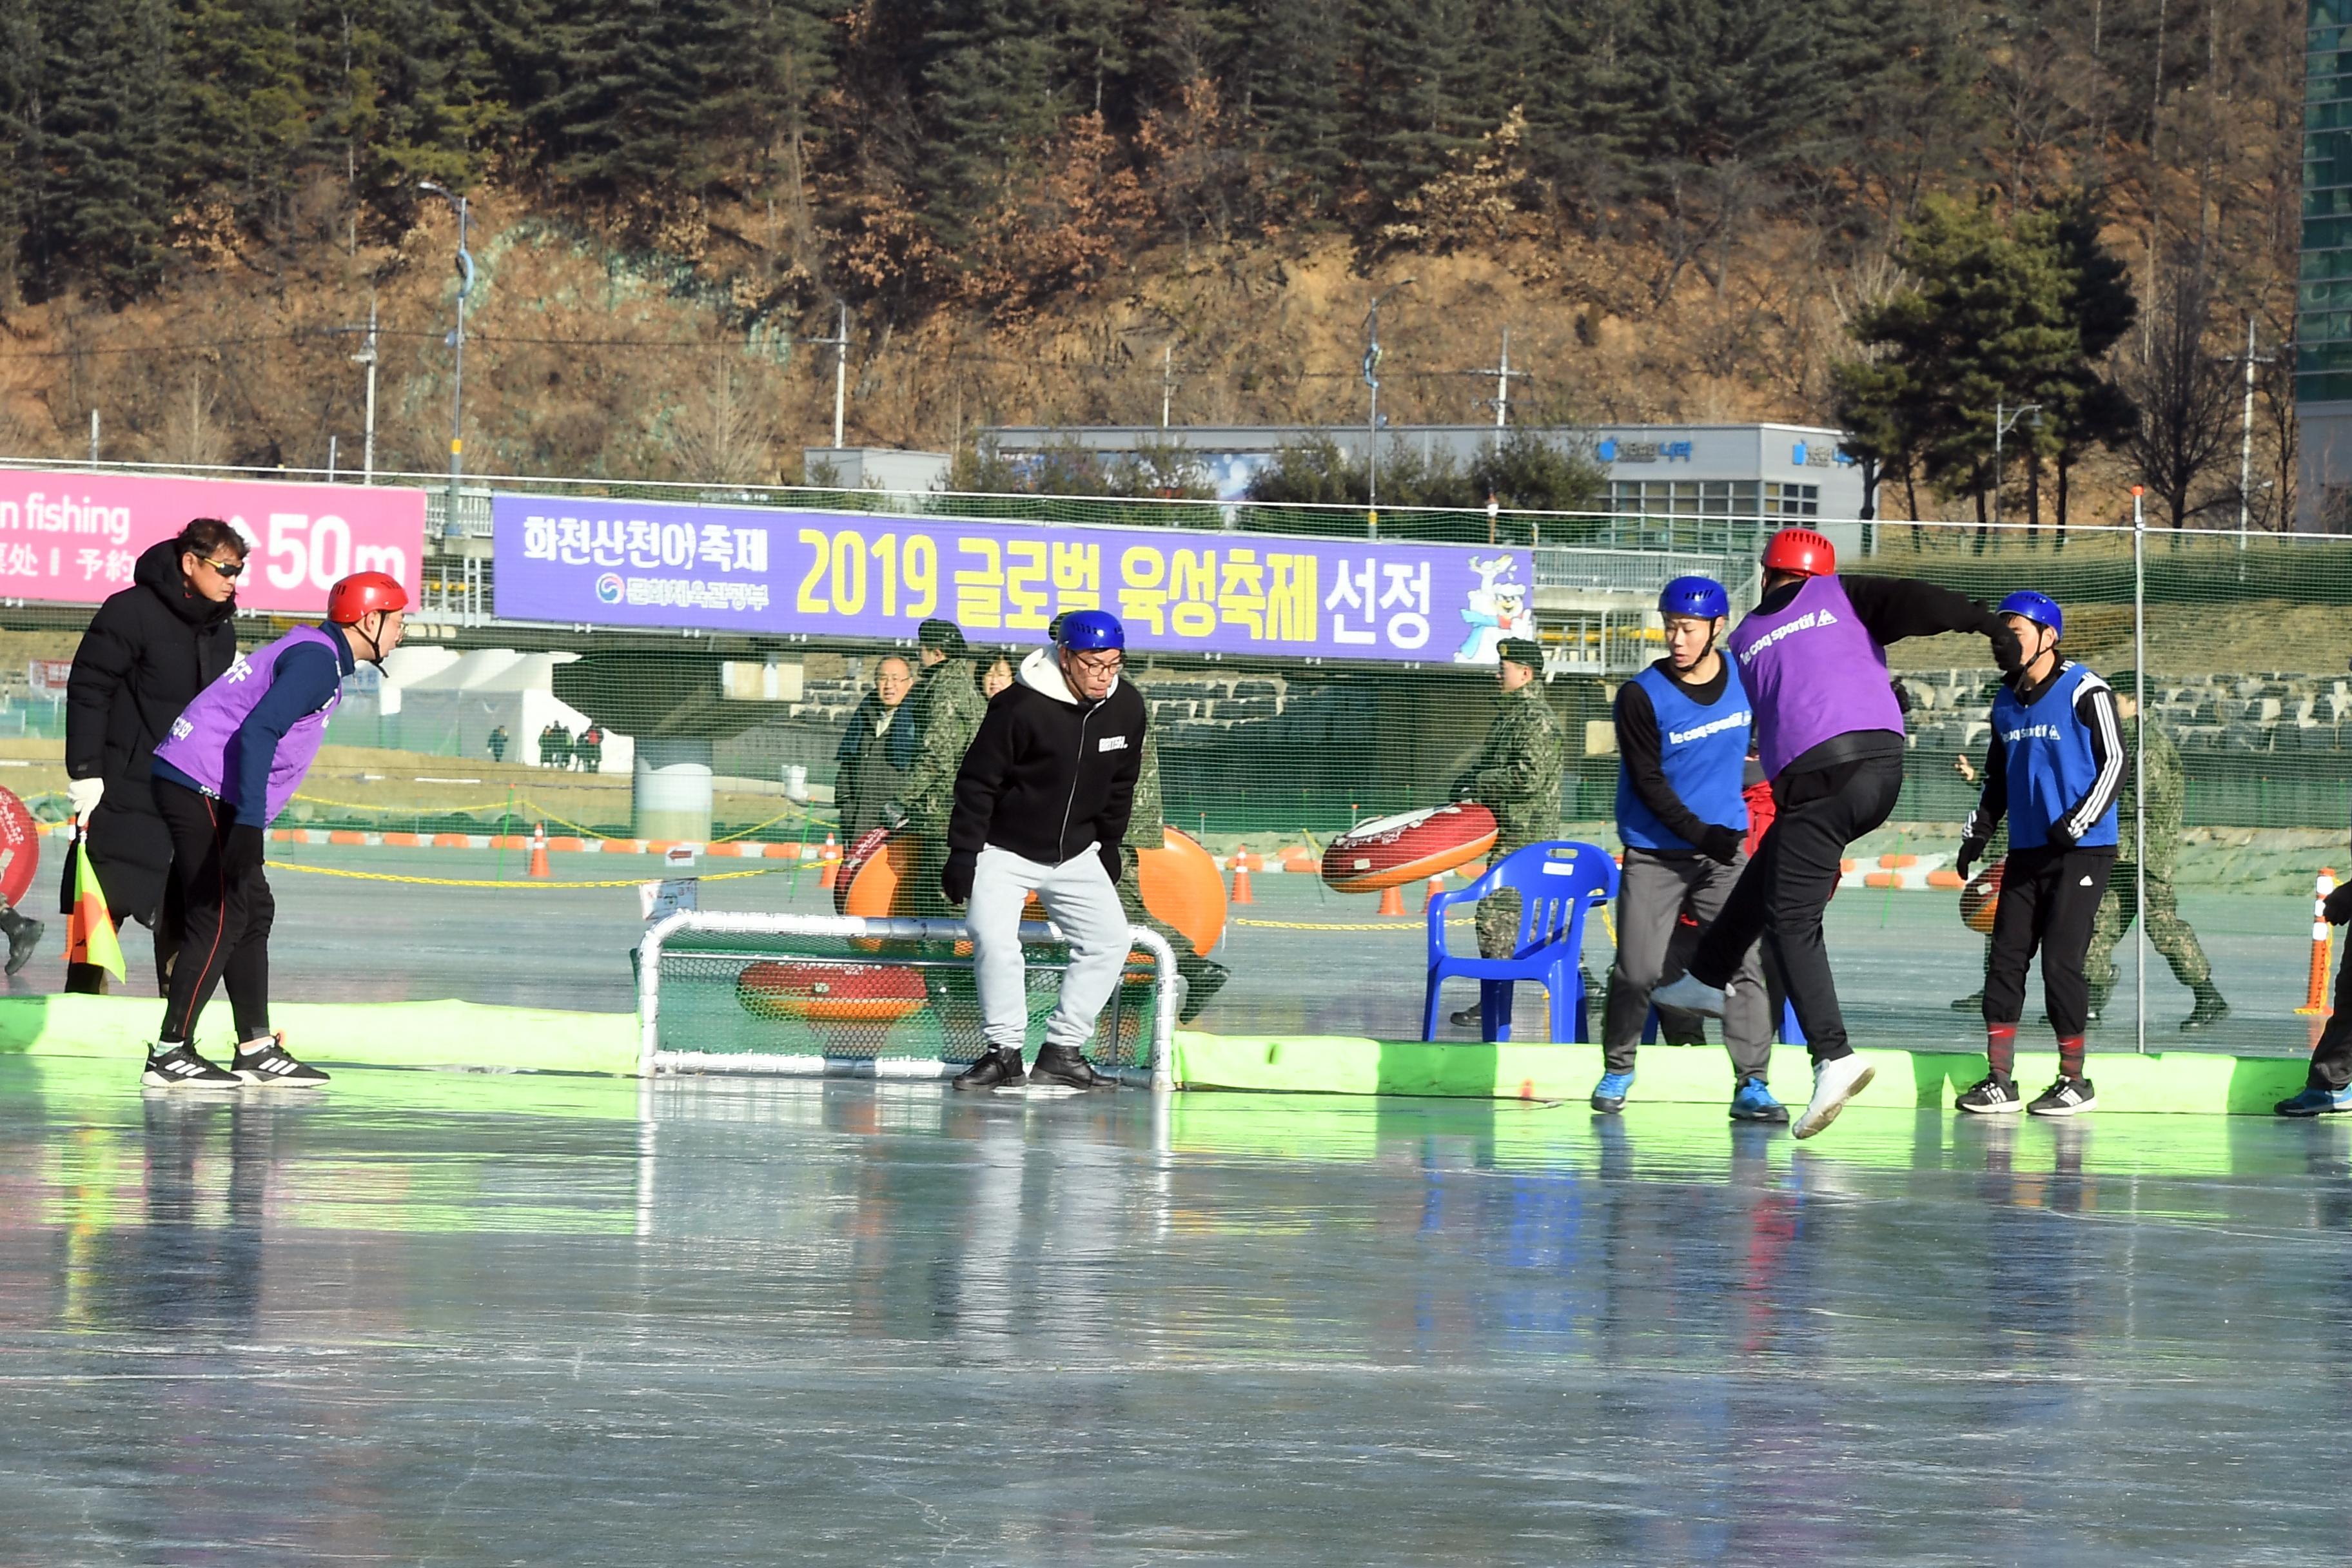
(457, 346)
(1372, 419)
(2004, 420)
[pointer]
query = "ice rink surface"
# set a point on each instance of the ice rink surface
(461, 1318)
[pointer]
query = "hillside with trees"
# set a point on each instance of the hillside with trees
(1078, 210)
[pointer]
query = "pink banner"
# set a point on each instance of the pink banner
(72, 538)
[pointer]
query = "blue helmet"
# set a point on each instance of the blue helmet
(2040, 608)
(1085, 629)
(1700, 596)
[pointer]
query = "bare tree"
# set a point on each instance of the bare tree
(722, 435)
(2186, 441)
(192, 426)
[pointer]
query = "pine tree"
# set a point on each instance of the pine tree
(110, 144)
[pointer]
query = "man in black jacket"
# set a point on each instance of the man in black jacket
(1041, 806)
(149, 650)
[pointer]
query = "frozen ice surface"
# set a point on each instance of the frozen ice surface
(456, 1318)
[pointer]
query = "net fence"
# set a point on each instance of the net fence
(2239, 641)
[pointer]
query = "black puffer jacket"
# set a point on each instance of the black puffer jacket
(1050, 773)
(149, 650)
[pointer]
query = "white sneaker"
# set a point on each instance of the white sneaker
(1691, 994)
(1834, 1083)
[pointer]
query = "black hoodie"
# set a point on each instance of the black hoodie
(1050, 773)
(149, 650)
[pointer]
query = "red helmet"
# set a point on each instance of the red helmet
(1802, 551)
(361, 592)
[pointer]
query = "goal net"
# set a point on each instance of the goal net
(841, 996)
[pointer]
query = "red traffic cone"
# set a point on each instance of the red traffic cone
(1393, 899)
(1436, 886)
(539, 866)
(829, 862)
(1240, 863)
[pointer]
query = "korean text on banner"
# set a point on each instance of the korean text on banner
(73, 538)
(643, 564)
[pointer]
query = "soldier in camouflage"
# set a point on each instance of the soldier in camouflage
(946, 709)
(1147, 829)
(2167, 931)
(1517, 777)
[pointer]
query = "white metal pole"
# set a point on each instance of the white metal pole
(840, 371)
(367, 454)
(1998, 428)
(93, 435)
(2139, 762)
(1167, 380)
(2246, 437)
(1502, 384)
(332, 442)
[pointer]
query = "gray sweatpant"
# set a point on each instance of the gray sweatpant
(1079, 898)
(1652, 892)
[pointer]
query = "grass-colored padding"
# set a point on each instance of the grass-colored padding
(2181, 1083)
(377, 1034)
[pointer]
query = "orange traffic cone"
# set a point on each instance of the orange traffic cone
(1240, 863)
(829, 863)
(1436, 886)
(1393, 899)
(539, 866)
(2315, 996)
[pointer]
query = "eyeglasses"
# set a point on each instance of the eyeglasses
(232, 570)
(1099, 664)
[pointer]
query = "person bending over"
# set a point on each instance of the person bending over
(1041, 806)
(232, 760)
(1682, 741)
(2053, 767)
(1830, 732)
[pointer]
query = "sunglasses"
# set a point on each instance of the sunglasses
(232, 570)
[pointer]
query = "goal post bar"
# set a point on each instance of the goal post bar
(650, 1057)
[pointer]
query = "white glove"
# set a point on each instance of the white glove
(85, 794)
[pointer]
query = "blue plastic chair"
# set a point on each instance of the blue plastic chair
(1558, 882)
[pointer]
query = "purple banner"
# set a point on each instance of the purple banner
(839, 574)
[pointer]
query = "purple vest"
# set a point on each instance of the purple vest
(199, 744)
(1812, 674)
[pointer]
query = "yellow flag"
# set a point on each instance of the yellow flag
(89, 929)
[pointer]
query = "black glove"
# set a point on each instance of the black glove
(2058, 838)
(1464, 789)
(242, 850)
(1721, 844)
(955, 877)
(1972, 851)
(2340, 906)
(2007, 648)
(1113, 862)
(894, 816)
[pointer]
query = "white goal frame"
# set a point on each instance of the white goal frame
(652, 1059)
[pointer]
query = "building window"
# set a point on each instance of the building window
(1791, 500)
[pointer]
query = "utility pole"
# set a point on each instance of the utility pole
(1502, 372)
(2246, 432)
(93, 435)
(839, 344)
(1168, 380)
(1373, 419)
(458, 364)
(2004, 420)
(366, 356)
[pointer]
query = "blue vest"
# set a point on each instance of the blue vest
(1703, 751)
(2046, 752)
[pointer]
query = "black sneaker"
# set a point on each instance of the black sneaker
(21, 944)
(1467, 1018)
(2067, 1097)
(1206, 981)
(1993, 1095)
(1972, 1003)
(181, 1068)
(269, 1064)
(1058, 1066)
(2210, 1009)
(995, 1069)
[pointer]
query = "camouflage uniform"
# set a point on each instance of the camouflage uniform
(2167, 931)
(946, 707)
(1516, 777)
(1147, 829)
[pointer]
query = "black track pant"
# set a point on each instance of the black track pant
(2331, 1059)
(1788, 883)
(228, 913)
(2049, 900)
